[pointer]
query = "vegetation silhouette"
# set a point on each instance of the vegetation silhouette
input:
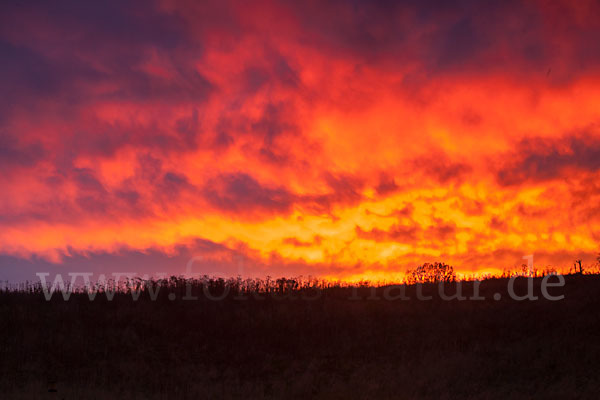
(432, 273)
(300, 338)
(578, 264)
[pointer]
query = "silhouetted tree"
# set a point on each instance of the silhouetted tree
(432, 272)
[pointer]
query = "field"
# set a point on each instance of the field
(301, 340)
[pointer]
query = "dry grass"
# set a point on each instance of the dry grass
(274, 344)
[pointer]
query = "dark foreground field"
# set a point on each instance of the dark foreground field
(331, 347)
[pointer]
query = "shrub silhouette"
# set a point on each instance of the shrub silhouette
(431, 272)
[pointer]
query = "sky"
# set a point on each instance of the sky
(337, 139)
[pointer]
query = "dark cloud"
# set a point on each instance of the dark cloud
(94, 43)
(441, 168)
(515, 38)
(272, 156)
(187, 86)
(133, 21)
(130, 196)
(80, 53)
(265, 133)
(459, 43)
(91, 198)
(224, 134)
(188, 129)
(13, 153)
(102, 139)
(275, 121)
(87, 181)
(206, 257)
(148, 167)
(241, 193)
(25, 70)
(538, 160)
(255, 78)
(284, 73)
(387, 184)
(344, 189)
(277, 71)
(76, 53)
(172, 185)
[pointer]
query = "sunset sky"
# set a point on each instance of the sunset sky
(339, 139)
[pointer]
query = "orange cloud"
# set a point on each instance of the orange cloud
(323, 138)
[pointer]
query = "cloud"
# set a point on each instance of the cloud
(396, 233)
(13, 153)
(539, 159)
(440, 231)
(272, 123)
(241, 193)
(70, 46)
(468, 37)
(387, 184)
(441, 168)
(316, 240)
(419, 127)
